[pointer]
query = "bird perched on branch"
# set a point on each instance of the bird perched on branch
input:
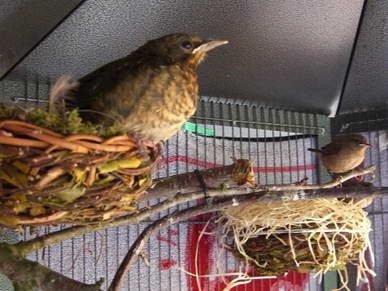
(149, 93)
(344, 153)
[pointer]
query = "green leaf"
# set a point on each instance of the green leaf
(37, 210)
(120, 164)
(79, 176)
(21, 166)
(70, 195)
(12, 176)
(8, 220)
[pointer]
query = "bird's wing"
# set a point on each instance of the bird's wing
(331, 149)
(99, 83)
(314, 150)
(116, 90)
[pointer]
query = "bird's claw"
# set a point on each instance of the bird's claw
(302, 182)
(338, 180)
(209, 201)
(143, 145)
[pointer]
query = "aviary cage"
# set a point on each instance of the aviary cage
(288, 61)
(276, 141)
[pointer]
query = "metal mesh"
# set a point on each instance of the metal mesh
(5, 283)
(10, 237)
(279, 159)
(373, 125)
(275, 140)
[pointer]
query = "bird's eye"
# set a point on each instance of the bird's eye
(187, 44)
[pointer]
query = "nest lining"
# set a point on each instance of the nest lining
(319, 235)
(68, 171)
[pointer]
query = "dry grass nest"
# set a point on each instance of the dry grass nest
(55, 168)
(309, 235)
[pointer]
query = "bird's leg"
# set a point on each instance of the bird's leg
(358, 180)
(209, 201)
(142, 145)
(302, 182)
(336, 178)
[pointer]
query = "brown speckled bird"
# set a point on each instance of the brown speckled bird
(149, 93)
(344, 153)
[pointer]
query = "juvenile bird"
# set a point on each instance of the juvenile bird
(344, 153)
(149, 93)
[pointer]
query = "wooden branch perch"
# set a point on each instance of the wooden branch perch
(229, 197)
(28, 275)
(240, 173)
(188, 182)
(275, 193)
(218, 178)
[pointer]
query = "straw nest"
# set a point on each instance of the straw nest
(54, 168)
(310, 235)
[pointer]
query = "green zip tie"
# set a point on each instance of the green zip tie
(198, 129)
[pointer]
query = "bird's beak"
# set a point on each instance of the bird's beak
(366, 144)
(209, 45)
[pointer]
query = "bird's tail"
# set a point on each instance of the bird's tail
(314, 150)
(59, 92)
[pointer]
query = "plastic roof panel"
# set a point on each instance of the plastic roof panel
(287, 54)
(367, 85)
(23, 24)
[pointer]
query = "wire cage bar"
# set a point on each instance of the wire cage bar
(275, 140)
(373, 125)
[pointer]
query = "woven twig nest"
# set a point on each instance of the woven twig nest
(308, 235)
(75, 174)
(274, 255)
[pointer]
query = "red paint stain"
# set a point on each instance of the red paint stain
(293, 281)
(205, 259)
(167, 264)
(163, 239)
(366, 286)
(173, 232)
(184, 159)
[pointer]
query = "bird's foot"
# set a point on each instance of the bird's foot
(356, 181)
(209, 201)
(302, 182)
(142, 149)
(337, 179)
(143, 146)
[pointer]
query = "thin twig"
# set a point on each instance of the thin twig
(91, 176)
(28, 275)
(104, 147)
(40, 220)
(9, 123)
(244, 190)
(50, 176)
(22, 142)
